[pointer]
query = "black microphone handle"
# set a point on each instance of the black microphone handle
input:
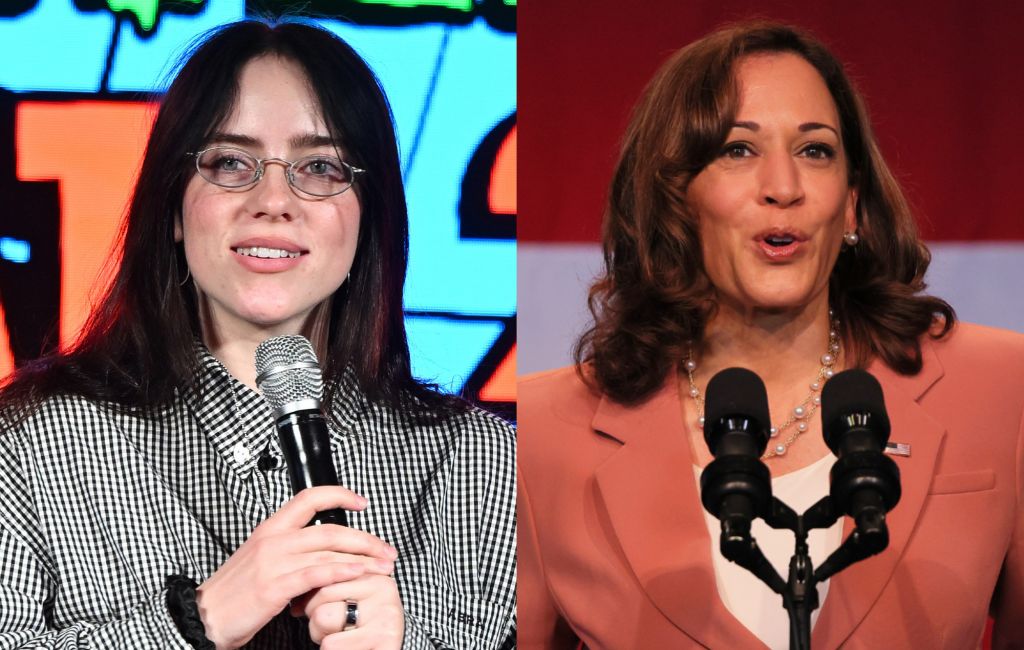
(306, 445)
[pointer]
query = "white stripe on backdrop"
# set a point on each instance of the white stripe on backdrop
(982, 280)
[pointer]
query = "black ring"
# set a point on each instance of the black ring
(351, 615)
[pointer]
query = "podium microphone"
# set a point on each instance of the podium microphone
(288, 375)
(736, 486)
(865, 482)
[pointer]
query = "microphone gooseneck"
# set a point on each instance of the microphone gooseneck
(288, 375)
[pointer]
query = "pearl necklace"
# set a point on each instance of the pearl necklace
(800, 413)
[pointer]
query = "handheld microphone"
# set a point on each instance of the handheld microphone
(865, 482)
(288, 375)
(736, 486)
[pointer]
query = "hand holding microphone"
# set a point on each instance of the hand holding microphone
(305, 555)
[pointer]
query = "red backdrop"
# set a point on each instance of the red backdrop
(943, 82)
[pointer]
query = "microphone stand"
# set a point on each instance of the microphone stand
(799, 593)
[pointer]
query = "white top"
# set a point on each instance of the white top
(748, 599)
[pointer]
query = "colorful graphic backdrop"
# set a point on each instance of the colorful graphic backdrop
(74, 118)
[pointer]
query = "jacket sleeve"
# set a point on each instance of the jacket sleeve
(1008, 603)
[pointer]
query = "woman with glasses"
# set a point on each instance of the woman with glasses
(144, 501)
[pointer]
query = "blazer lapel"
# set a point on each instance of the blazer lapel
(650, 493)
(854, 591)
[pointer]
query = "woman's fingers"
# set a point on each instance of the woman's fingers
(368, 564)
(372, 600)
(301, 508)
(350, 640)
(343, 540)
(283, 560)
(315, 576)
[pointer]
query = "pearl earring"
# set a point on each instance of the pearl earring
(851, 238)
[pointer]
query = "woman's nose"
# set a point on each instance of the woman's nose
(273, 195)
(780, 180)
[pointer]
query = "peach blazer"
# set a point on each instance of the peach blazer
(613, 549)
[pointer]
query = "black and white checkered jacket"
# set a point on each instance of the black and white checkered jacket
(98, 506)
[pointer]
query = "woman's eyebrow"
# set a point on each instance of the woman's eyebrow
(813, 126)
(803, 128)
(235, 139)
(304, 141)
(311, 140)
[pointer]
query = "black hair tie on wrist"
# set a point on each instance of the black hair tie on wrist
(181, 603)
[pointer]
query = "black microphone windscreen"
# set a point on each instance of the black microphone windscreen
(854, 391)
(736, 391)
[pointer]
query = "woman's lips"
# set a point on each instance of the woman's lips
(267, 264)
(779, 244)
(779, 252)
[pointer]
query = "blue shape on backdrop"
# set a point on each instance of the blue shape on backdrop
(475, 90)
(146, 64)
(447, 351)
(14, 250)
(53, 47)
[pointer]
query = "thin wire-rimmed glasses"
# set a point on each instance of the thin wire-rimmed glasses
(317, 175)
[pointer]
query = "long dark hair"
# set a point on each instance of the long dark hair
(654, 296)
(136, 349)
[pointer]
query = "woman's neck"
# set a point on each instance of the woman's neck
(782, 348)
(234, 343)
(786, 351)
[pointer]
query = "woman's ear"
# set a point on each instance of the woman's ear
(179, 235)
(850, 218)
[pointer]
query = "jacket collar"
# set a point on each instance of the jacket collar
(650, 493)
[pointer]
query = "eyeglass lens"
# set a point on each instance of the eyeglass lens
(320, 175)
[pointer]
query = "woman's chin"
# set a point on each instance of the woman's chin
(776, 302)
(274, 322)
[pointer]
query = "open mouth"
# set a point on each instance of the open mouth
(778, 241)
(266, 253)
(779, 244)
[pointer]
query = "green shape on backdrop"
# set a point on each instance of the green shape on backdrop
(459, 5)
(145, 10)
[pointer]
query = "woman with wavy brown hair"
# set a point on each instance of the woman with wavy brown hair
(753, 223)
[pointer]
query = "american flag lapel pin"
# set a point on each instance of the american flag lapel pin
(897, 449)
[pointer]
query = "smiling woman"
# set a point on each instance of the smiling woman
(144, 497)
(752, 223)
(266, 255)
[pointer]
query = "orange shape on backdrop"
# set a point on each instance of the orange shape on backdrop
(501, 195)
(6, 356)
(501, 387)
(94, 150)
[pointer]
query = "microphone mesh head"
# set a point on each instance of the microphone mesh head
(736, 391)
(287, 371)
(853, 391)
